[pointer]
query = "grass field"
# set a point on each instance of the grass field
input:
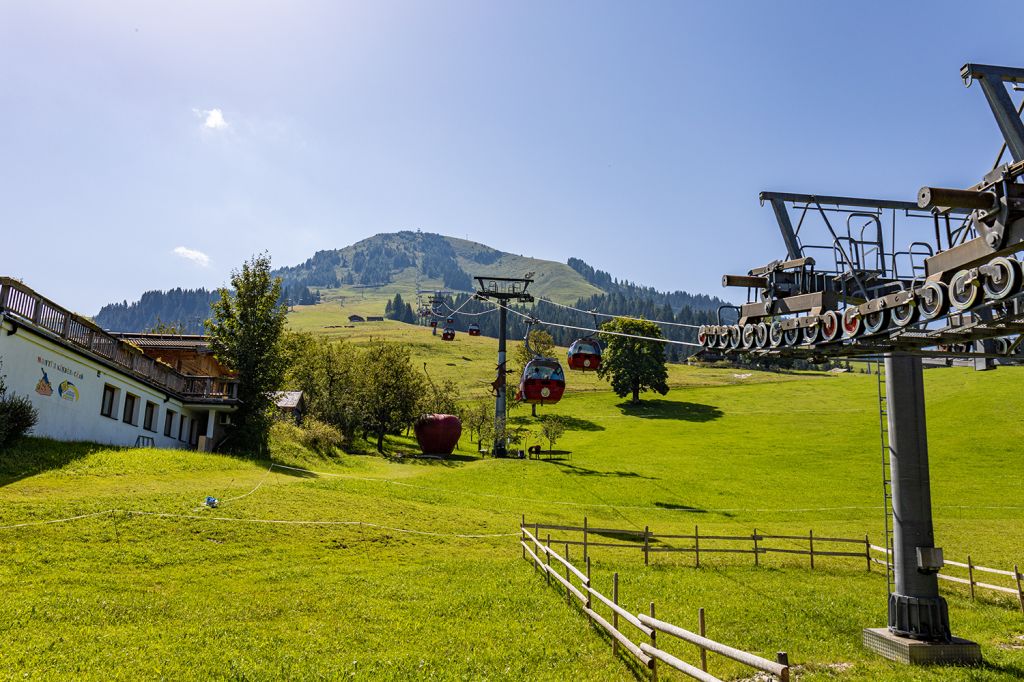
(205, 594)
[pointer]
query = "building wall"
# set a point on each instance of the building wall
(67, 389)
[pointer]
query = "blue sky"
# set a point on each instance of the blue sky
(150, 144)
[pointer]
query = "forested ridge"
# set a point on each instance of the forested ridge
(414, 256)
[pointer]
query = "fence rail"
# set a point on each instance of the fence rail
(755, 544)
(22, 303)
(1015, 590)
(647, 652)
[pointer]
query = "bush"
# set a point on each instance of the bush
(319, 436)
(289, 438)
(17, 416)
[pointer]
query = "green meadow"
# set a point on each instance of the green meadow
(155, 586)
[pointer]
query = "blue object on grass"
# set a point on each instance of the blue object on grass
(211, 502)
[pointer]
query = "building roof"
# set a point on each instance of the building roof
(287, 399)
(196, 342)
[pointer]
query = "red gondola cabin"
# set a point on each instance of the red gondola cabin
(473, 330)
(448, 334)
(543, 382)
(585, 355)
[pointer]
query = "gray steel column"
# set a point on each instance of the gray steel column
(915, 609)
(499, 403)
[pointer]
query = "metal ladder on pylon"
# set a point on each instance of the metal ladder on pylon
(883, 424)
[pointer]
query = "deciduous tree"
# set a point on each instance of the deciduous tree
(551, 428)
(245, 329)
(391, 390)
(631, 365)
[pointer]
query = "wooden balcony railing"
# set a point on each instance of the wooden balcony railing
(21, 302)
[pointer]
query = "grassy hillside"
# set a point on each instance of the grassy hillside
(471, 360)
(196, 593)
(553, 280)
(398, 262)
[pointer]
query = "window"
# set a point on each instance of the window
(131, 409)
(149, 420)
(169, 423)
(108, 408)
(182, 428)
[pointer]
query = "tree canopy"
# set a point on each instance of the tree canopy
(391, 392)
(633, 366)
(245, 334)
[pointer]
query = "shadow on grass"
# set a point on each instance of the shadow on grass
(680, 507)
(570, 423)
(577, 424)
(583, 471)
(32, 456)
(452, 460)
(670, 409)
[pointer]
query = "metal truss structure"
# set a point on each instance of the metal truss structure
(940, 276)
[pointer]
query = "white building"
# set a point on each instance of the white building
(90, 385)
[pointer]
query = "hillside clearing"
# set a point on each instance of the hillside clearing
(127, 595)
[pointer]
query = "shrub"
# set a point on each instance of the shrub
(288, 438)
(319, 436)
(17, 416)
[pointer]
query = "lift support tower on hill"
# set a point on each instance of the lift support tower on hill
(503, 290)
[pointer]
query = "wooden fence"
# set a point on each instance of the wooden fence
(756, 544)
(760, 544)
(970, 567)
(649, 653)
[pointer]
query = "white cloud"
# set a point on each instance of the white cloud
(213, 119)
(197, 257)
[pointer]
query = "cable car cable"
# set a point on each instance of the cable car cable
(600, 331)
(622, 317)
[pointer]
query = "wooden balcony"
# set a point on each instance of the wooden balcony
(20, 303)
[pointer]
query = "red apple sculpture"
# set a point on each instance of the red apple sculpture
(438, 434)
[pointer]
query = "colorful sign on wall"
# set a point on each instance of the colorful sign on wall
(43, 386)
(67, 391)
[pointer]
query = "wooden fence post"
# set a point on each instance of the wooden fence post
(654, 643)
(754, 536)
(1020, 593)
(647, 545)
(810, 540)
(696, 545)
(867, 552)
(590, 604)
(615, 614)
(782, 658)
(702, 630)
(547, 554)
(585, 552)
(970, 574)
(522, 534)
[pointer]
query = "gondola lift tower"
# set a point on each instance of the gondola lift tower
(502, 290)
